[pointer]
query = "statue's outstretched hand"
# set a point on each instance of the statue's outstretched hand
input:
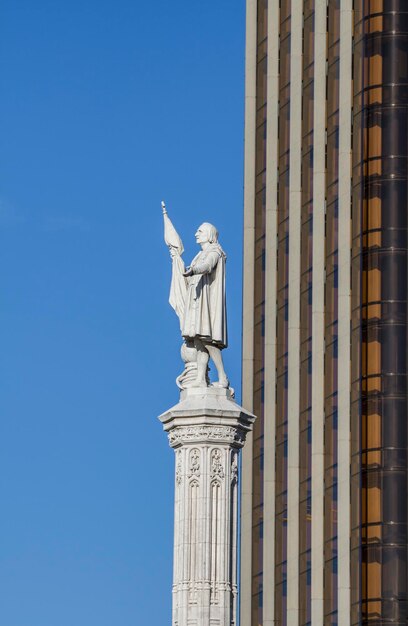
(188, 272)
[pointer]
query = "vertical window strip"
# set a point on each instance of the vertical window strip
(281, 460)
(294, 310)
(306, 289)
(259, 311)
(331, 317)
(271, 224)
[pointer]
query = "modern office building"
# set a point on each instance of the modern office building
(324, 489)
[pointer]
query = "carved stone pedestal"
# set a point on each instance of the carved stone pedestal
(206, 429)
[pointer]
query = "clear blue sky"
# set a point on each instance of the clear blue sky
(106, 108)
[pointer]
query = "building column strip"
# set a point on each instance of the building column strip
(318, 280)
(270, 315)
(344, 246)
(294, 311)
(248, 307)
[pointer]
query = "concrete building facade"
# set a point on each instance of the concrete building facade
(324, 523)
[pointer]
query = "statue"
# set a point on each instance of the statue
(197, 294)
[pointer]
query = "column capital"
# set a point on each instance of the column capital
(207, 415)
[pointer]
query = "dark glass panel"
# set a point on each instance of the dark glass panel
(380, 181)
(262, 17)
(306, 252)
(282, 321)
(259, 312)
(331, 317)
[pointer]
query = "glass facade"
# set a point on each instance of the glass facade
(380, 179)
(331, 314)
(306, 290)
(371, 281)
(259, 310)
(281, 504)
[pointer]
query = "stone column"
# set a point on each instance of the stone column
(206, 430)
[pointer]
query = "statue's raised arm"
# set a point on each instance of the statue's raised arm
(197, 294)
(171, 236)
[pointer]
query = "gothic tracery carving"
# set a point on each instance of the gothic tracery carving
(185, 434)
(234, 468)
(178, 469)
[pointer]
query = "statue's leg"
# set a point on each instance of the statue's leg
(202, 363)
(215, 354)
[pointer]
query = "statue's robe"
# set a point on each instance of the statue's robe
(205, 314)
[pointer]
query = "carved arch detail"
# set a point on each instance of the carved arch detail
(217, 469)
(194, 463)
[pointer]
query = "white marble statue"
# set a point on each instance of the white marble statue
(197, 294)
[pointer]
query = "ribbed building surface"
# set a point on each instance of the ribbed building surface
(324, 491)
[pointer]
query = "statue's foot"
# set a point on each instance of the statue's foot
(223, 383)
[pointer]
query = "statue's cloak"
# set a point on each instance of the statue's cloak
(205, 314)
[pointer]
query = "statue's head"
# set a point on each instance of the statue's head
(206, 233)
